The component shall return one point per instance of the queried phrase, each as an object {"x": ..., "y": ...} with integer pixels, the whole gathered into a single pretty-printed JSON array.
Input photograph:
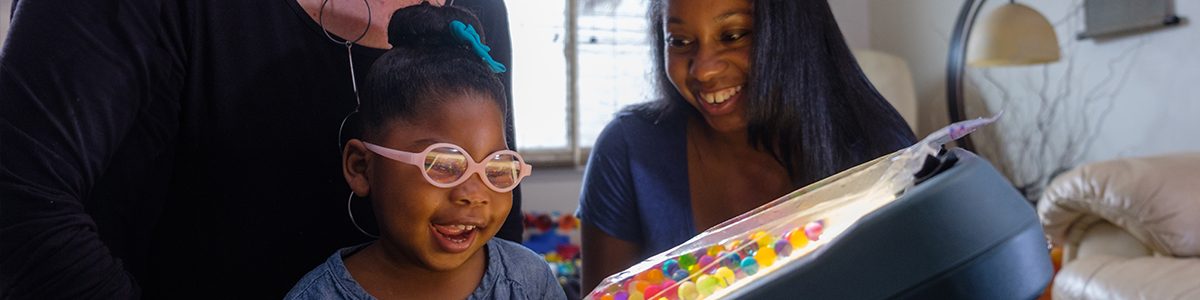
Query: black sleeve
[
  {"x": 75, "y": 76},
  {"x": 494, "y": 16}
]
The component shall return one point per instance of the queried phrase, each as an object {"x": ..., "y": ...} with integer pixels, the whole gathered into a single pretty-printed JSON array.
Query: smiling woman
[{"x": 757, "y": 98}]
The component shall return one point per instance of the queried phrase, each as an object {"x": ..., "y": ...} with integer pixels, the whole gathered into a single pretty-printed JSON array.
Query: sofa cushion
[
  {"x": 1156, "y": 199},
  {"x": 1112, "y": 277}
]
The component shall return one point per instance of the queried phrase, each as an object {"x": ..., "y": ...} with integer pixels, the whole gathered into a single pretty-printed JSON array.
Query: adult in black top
[{"x": 179, "y": 148}]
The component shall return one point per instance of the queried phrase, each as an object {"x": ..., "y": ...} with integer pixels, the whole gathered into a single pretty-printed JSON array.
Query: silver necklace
[
  {"x": 349, "y": 58},
  {"x": 348, "y": 43}
]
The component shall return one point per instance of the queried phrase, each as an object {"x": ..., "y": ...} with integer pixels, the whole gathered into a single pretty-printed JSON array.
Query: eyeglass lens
[{"x": 447, "y": 165}]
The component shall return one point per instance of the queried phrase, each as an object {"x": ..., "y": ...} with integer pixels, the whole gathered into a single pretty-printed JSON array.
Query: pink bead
[
  {"x": 813, "y": 229},
  {"x": 652, "y": 291}
]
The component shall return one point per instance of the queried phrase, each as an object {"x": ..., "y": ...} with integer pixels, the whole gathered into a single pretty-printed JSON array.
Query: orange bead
[
  {"x": 638, "y": 286},
  {"x": 654, "y": 276}
]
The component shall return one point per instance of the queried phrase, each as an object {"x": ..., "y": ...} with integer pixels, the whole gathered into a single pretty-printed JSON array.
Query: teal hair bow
[{"x": 467, "y": 34}]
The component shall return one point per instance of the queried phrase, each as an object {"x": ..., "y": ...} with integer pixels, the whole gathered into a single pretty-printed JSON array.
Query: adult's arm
[
  {"x": 604, "y": 255},
  {"x": 611, "y": 237},
  {"x": 74, "y": 76}
]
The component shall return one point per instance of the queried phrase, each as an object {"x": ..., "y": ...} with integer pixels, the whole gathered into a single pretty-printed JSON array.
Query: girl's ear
[{"x": 354, "y": 167}]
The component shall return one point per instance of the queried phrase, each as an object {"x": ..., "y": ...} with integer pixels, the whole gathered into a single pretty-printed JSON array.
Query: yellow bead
[
  {"x": 726, "y": 275},
  {"x": 714, "y": 250},
  {"x": 765, "y": 257},
  {"x": 636, "y": 296},
  {"x": 687, "y": 291},
  {"x": 762, "y": 238},
  {"x": 797, "y": 239}
]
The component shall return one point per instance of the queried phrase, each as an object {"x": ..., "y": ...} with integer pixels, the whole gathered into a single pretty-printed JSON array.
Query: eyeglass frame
[{"x": 417, "y": 159}]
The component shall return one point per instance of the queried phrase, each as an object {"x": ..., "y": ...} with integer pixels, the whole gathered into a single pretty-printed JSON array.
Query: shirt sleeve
[
  {"x": 529, "y": 275},
  {"x": 552, "y": 290},
  {"x": 607, "y": 199},
  {"x": 73, "y": 77}
]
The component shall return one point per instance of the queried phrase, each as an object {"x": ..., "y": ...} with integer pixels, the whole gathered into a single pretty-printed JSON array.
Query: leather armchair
[{"x": 1128, "y": 228}]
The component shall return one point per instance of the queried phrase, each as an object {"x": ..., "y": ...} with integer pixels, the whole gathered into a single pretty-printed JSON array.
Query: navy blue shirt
[
  {"x": 513, "y": 272},
  {"x": 635, "y": 187}
]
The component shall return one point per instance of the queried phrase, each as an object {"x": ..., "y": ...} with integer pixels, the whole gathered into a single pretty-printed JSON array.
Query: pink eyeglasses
[{"x": 447, "y": 165}]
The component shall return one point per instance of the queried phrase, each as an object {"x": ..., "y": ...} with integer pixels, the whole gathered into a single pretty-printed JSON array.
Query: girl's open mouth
[{"x": 455, "y": 238}]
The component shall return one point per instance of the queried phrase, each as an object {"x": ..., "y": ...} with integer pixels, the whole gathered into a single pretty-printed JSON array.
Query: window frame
[{"x": 574, "y": 154}]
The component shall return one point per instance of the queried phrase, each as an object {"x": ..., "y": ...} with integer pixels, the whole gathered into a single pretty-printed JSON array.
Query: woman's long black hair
[{"x": 809, "y": 102}]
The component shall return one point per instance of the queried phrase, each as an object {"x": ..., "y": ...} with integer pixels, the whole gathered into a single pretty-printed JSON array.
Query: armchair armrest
[
  {"x": 1154, "y": 199},
  {"x": 1111, "y": 277}
]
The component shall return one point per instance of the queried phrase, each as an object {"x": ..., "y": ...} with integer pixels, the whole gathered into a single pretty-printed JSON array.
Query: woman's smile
[{"x": 719, "y": 102}]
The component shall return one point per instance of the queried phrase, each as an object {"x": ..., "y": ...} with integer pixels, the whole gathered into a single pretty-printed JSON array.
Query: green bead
[{"x": 687, "y": 260}]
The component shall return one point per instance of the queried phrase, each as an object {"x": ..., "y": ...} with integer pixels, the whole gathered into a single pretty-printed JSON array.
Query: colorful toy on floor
[{"x": 550, "y": 234}]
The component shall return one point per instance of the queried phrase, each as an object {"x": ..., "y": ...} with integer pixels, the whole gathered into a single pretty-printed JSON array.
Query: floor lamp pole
[{"x": 956, "y": 62}]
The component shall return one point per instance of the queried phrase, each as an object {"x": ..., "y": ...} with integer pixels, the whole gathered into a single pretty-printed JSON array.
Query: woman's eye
[
  {"x": 677, "y": 42},
  {"x": 735, "y": 36}
]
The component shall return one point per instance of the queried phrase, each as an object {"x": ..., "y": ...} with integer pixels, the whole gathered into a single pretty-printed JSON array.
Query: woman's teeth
[{"x": 720, "y": 96}]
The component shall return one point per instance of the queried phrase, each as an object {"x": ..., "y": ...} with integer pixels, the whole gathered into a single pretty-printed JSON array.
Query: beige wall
[
  {"x": 1154, "y": 110},
  {"x": 918, "y": 31},
  {"x": 855, "y": 21}
]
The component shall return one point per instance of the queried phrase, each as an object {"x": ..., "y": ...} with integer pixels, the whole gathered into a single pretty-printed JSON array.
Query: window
[{"x": 575, "y": 66}]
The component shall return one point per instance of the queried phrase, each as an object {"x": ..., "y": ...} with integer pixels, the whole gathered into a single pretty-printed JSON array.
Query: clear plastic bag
[{"x": 736, "y": 252}]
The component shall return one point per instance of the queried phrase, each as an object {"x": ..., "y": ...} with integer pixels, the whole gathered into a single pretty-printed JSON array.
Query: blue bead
[
  {"x": 731, "y": 260},
  {"x": 679, "y": 275},
  {"x": 750, "y": 266},
  {"x": 669, "y": 266}
]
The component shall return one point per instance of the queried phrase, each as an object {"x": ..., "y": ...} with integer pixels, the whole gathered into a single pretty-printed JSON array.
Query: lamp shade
[{"x": 1013, "y": 34}]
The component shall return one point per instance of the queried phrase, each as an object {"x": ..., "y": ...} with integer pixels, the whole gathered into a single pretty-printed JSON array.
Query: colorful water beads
[{"x": 702, "y": 273}]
